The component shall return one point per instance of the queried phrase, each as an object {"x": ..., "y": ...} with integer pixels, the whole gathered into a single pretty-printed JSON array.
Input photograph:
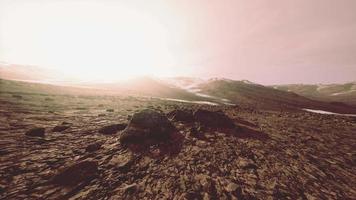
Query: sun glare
[{"x": 117, "y": 42}]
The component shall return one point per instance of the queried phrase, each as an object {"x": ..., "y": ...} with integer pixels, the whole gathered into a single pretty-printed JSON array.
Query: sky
[{"x": 264, "y": 41}]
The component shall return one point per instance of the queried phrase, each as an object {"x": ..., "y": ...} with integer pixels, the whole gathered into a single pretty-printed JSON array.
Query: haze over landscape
[
  {"x": 181, "y": 100},
  {"x": 277, "y": 42}
]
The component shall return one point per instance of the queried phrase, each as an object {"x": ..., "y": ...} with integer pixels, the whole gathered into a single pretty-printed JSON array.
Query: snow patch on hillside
[
  {"x": 187, "y": 101},
  {"x": 192, "y": 85},
  {"x": 321, "y": 86},
  {"x": 188, "y": 84},
  {"x": 248, "y": 82},
  {"x": 341, "y": 93},
  {"x": 328, "y": 113}
]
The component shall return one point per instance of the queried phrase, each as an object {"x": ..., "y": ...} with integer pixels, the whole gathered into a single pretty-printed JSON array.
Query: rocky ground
[{"x": 268, "y": 155}]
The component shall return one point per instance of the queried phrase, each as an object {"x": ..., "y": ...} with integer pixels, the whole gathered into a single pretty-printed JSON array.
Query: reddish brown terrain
[
  {"x": 267, "y": 155},
  {"x": 177, "y": 100}
]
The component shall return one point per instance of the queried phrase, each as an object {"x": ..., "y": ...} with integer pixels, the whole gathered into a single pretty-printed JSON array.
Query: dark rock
[
  {"x": 60, "y": 128},
  {"x": 109, "y": 110},
  {"x": 213, "y": 119},
  {"x": 181, "y": 115},
  {"x": 191, "y": 195},
  {"x": 3, "y": 152},
  {"x": 112, "y": 129},
  {"x": 196, "y": 131},
  {"x": 66, "y": 123},
  {"x": 2, "y": 188},
  {"x": 49, "y": 99},
  {"x": 250, "y": 166},
  {"x": 36, "y": 132},
  {"x": 235, "y": 190},
  {"x": 147, "y": 125},
  {"x": 93, "y": 147},
  {"x": 76, "y": 173},
  {"x": 17, "y": 96}
]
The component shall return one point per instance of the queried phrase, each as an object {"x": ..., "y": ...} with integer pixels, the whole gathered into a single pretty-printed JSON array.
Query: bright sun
[{"x": 88, "y": 41}]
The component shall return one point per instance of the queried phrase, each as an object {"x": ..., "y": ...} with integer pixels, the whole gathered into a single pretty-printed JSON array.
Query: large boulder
[
  {"x": 147, "y": 126},
  {"x": 213, "y": 119},
  {"x": 181, "y": 115}
]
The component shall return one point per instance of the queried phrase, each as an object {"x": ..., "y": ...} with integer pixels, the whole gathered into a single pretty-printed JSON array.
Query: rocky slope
[
  {"x": 283, "y": 154},
  {"x": 262, "y": 97}
]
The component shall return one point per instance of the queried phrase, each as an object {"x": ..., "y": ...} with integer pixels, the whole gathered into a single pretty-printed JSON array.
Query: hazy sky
[{"x": 269, "y": 41}]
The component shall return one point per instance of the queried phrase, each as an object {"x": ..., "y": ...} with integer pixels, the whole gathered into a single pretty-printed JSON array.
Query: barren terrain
[{"x": 270, "y": 155}]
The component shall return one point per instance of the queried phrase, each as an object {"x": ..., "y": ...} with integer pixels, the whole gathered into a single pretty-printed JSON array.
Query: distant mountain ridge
[
  {"x": 345, "y": 93},
  {"x": 251, "y": 94},
  {"x": 32, "y": 73},
  {"x": 214, "y": 90}
]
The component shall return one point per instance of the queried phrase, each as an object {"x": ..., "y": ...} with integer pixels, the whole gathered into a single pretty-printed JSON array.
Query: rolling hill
[
  {"x": 345, "y": 93},
  {"x": 251, "y": 94},
  {"x": 214, "y": 91}
]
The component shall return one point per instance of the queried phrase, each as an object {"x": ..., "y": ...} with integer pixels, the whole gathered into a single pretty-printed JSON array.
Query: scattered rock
[
  {"x": 205, "y": 182},
  {"x": 147, "y": 125},
  {"x": 231, "y": 187},
  {"x": 212, "y": 119},
  {"x": 155, "y": 152},
  {"x": 3, "y": 152},
  {"x": 219, "y": 166},
  {"x": 191, "y": 195},
  {"x": 60, "y": 128},
  {"x": 249, "y": 166},
  {"x": 48, "y": 99},
  {"x": 130, "y": 188},
  {"x": 36, "y": 132},
  {"x": 17, "y": 96},
  {"x": 112, "y": 129},
  {"x": 122, "y": 161},
  {"x": 77, "y": 173},
  {"x": 66, "y": 124},
  {"x": 2, "y": 188},
  {"x": 93, "y": 147},
  {"x": 181, "y": 115},
  {"x": 235, "y": 190},
  {"x": 194, "y": 131},
  {"x": 197, "y": 132}
]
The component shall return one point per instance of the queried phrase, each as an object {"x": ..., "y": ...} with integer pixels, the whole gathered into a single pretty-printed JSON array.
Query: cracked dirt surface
[{"x": 273, "y": 155}]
